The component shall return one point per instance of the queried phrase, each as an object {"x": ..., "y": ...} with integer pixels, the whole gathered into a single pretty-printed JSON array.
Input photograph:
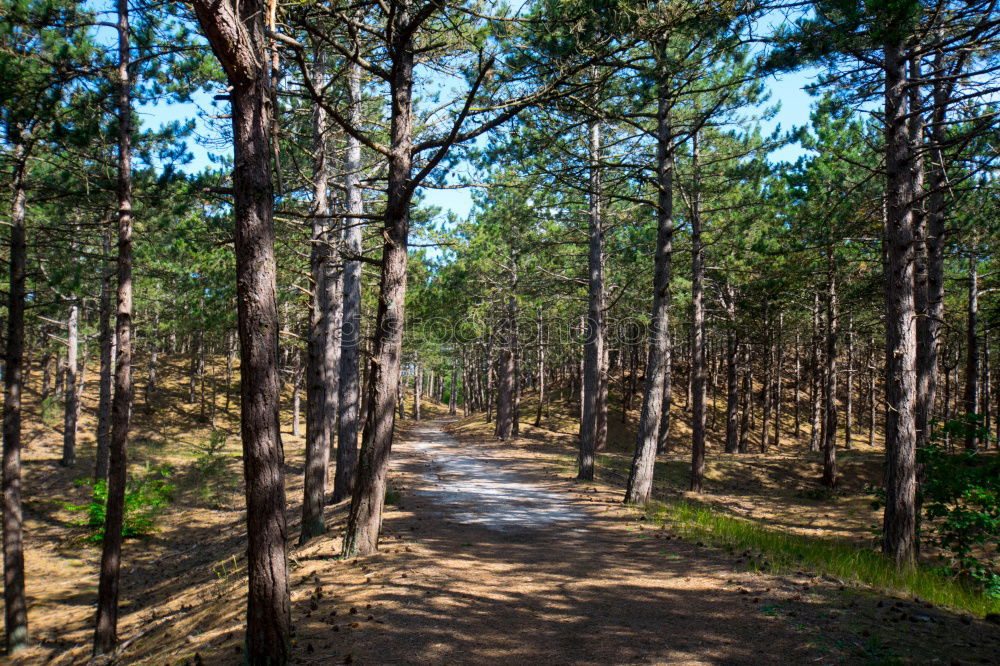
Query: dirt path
[{"x": 496, "y": 557}]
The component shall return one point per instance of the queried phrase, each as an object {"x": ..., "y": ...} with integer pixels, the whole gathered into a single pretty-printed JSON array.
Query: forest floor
[{"x": 490, "y": 554}]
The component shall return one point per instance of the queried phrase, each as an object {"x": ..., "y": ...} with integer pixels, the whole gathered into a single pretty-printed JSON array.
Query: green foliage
[
  {"x": 51, "y": 410},
  {"x": 961, "y": 504},
  {"x": 959, "y": 496},
  {"x": 146, "y": 494},
  {"x": 215, "y": 481},
  {"x": 780, "y": 552}
]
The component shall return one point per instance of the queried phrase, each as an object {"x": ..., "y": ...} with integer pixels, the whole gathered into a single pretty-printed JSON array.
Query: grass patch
[{"x": 780, "y": 552}]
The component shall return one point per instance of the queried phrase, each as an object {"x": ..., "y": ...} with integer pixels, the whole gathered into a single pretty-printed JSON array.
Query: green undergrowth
[{"x": 779, "y": 552}]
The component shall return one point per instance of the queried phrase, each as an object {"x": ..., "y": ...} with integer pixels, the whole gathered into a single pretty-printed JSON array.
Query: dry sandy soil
[
  {"x": 492, "y": 554},
  {"x": 495, "y": 556}
]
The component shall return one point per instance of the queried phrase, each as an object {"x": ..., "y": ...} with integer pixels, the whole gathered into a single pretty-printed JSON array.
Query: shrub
[
  {"x": 959, "y": 500},
  {"x": 146, "y": 494},
  {"x": 960, "y": 495},
  {"x": 52, "y": 410}
]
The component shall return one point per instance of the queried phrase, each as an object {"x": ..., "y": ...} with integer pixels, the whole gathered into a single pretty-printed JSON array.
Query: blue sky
[{"x": 786, "y": 89}]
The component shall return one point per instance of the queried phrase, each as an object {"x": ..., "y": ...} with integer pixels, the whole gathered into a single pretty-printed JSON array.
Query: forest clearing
[{"x": 451, "y": 331}]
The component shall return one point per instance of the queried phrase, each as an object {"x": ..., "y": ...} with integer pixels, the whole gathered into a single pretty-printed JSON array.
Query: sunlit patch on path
[{"x": 475, "y": 489}]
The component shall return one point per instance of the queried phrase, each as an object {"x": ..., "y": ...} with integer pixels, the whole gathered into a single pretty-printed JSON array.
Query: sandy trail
[
  {"x": 496, "y": 557},
  {"x": 476, "y": 488}
]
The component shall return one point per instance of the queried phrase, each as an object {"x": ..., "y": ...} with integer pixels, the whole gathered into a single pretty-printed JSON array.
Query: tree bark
[
  {"x": 899, "y": 520},
  {"x": 236, "y": 35},
  {"x": 350, "y": 394},
  {"x": 640, "y": 481},
  {"x": 365, "y": 518},
  {"x": 971, "y": 401},
  {"x": 322, "y": 373},
  {"x": 541, "y": 372},
  {"x": 105, "y": 335},
  {"x": 418, "y": 387},
  {"x": 15, "y": 603},
  {"x": 505, "y": 395},
  {"x": 830, "y": 391},
  {"x": 593, "y": 342},
  {"x": 747, "y": 400},
  {"x": 849, "y": 388},
  {"x": 929, "y": 327},
  {"x": 697, "y": 331},
  {"x": 817, "y": 374},
  {"x": 779, "y": 369},
  {"x": 106, "y": 631},
  {"x": 797, "y": 392},
  {"x": 70, "y": 403},
  {"x": 732, "y": 392}
]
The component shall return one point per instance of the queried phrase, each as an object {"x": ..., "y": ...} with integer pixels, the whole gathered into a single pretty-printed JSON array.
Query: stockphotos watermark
[{"x": 476, "y": 328}]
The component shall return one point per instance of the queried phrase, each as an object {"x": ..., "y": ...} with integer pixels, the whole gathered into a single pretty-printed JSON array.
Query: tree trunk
[
  {"x": 70, "y": 403},
  {"x": 929, "y": 327},
  {"x": 105, "y": 336},
  {"x": 15, "y": 603},
  {"x": 697, "y": 331},
  {"x": 347, "y": 437},
  {"x": 849, "y": 388},
  {"x": 817, "y": 375},
  {"x": 747, "y": 400},
  {"x": 418, "y": 381},
  {"x": 899, "y": 521},
  {"x": 593, "y": 341},
  {"x": 319, "y": 367},
  {"x": 984, "y": 393},
  {"x": 797, "y": 391},
  {"x": 150, "y": 391},
  {"x": 871, "y": 393},
  {"x": 297, "y": 401},
  {"x": 640, "y": 481},
  {"x": 663, "y": 432},
  {"x": 972, "y": 353},
  {"x": 779, "y": 369},
  {"x": 365, "y": 519},
  {"x": 830, "y": 392},
  {"x": 505, "y": 395},
  {"x": 106, "y": 631},
  {"x": 236, "y": 35},
  {"x": 765, "y": 393},
  {"x": 541, "y": 372},
  {"x": 732, "y": 392}
]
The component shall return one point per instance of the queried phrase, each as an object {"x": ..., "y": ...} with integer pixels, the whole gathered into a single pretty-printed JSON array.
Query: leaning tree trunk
[
  {"x": 236, "y": 35},
  {"x": 70, "y": 410},
  {"x": 697, "y": 332},
  {"x": 15, "y": 603},
  {"x": 106, "y": 631},
  {"x": 593, "y": 342},
  {"x": 830, "y": 391},
  {"x": 899, "y": 520},
  {"x": 640, "y": 481},
  {"x": 365, "y": 518}
]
